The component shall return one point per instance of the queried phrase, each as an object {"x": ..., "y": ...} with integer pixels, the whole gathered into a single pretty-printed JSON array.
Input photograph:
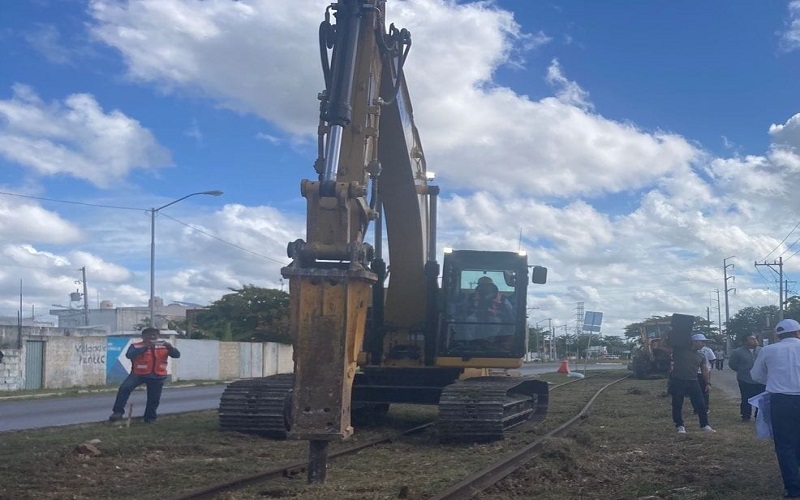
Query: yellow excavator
[{"x": 367, "y": 334}]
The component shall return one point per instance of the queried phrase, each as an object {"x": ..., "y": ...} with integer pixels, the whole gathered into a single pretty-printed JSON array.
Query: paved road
[
  {"x": 539, "y": 368},
  {"x": 17, "y": 414},
  {"x": 722, "y": 381}
]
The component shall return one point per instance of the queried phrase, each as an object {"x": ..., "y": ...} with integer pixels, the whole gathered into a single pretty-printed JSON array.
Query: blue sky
[{"x": 634, "y": 145}]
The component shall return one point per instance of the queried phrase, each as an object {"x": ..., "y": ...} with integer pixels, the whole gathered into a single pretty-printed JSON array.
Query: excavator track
[
  {"x": 258, "y": 406},
  {"x": 480, "y": 409}
]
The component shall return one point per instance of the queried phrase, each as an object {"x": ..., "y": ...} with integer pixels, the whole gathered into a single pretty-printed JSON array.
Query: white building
[{"x": 120, "y": 319}]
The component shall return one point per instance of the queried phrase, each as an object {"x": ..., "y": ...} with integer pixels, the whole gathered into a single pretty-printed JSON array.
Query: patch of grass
[
  {"x": 626, "y": 448},
  {"x": 633, "y": 452}
]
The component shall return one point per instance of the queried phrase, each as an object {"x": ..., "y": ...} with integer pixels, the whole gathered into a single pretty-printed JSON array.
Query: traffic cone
[{"x": 564, "y": 368}]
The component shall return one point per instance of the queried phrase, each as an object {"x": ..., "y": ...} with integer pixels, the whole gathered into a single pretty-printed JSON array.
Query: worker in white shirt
[{"x": 778, "y": 367}]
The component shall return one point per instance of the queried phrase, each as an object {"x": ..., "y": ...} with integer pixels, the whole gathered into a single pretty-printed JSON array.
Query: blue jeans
[
  {"x": 679, "y": 389},
  {"x": 154, "y": 388},
  {"x": 786, "y": 434}
]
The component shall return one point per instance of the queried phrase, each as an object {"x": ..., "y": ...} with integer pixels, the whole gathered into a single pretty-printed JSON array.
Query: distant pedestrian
[
  {"x": 149, "y": 366},
  {"x": 720, "y": 354},
  {"x": 683, "y": 382},
  {"x": 741, "y": 361},
  {"x": 778, "y": 366},
  {"x": 700, "y": 340}
]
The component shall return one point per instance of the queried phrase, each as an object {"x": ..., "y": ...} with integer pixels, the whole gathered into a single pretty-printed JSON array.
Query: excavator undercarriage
[{"x": 477, "y": 409}]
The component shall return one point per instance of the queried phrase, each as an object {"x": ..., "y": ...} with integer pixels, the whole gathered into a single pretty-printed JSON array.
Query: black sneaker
[
  {"x": 115, "y": 417},
  {"x": 745, "y": 419}
]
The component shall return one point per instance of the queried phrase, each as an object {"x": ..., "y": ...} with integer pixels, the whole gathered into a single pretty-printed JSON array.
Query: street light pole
[{"x": 153, "y": 212}]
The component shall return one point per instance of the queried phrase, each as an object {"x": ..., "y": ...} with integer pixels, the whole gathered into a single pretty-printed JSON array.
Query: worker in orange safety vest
[{"x": 149, "y": 360}]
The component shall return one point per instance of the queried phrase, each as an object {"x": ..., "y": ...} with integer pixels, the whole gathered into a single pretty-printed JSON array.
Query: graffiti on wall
[{"x": 91, "y": 354}]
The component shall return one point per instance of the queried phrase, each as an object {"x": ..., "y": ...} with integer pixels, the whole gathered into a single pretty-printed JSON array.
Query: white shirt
[
  {"x": 709, "y": 354},
  {"x": 778, "y": 366}
]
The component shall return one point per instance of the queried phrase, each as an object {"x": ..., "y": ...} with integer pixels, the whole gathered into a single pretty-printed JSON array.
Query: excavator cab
[{"x": 483, "y": 318}]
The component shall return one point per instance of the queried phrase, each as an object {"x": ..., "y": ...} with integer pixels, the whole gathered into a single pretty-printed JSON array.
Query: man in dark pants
[
  {"x": 149, "y": 366},
  {"x": 699, "y": 344},
  {"x": 778, "y": 366},
  {"x": 741, "y": 361},
  {"x": 683, "y": 382}
]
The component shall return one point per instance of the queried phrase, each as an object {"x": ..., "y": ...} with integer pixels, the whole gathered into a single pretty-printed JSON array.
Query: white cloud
[
  {"x": 568, "y": 92},
  {"x": 75, "y": 137},
  {"x": 790, "y": 38},
  {"x": 515, "y": 171},
  {"x": 787, "y": 134},
  {"x": 185, "y": 44},
  {"x": 27, "y": 222}
]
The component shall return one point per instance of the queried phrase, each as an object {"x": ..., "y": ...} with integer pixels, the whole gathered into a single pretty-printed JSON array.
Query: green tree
[
  {"x": 250, "y": 314},
  {"x": 753, "y": 319},
  {"x": 792, "y": 308}
]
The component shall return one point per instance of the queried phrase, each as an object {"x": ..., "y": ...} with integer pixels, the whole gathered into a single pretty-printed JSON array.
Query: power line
[
  {"x": 71, "y": 202},
  {"x": 781, "y": 243},
  {"x": 194, "y": 228},
  {"x": 789, "y": 248},
  {"x": 96, "y": 205}
]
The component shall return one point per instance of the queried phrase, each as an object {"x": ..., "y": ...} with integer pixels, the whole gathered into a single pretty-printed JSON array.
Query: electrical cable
[
  {"x": 71, "y": 202},
  {"x": 784, "y": 239},
  {"x": 194, "y": 228}
]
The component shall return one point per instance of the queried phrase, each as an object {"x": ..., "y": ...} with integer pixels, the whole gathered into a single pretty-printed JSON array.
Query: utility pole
[
  {"x": 719, "y": 313},
  {"x": 19, "y": 318},
  {"x": 725, "y": 267},
  {"x": 85, "y": 298},
  {"x": 779, "y": 265}
]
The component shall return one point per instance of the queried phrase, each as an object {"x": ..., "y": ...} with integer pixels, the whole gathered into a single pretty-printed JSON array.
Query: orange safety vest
[
  {"x": 495, "y": 307},
  {"x": 152, "y": 361}
]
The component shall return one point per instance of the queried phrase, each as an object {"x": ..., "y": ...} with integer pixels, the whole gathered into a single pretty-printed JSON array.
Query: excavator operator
[{"x": 488, "y": 305}]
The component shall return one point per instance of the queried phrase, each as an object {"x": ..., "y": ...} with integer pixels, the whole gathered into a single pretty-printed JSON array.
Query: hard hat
[
  {"x": 786, "y": 326},
  {"x": 699, "y": 336}
]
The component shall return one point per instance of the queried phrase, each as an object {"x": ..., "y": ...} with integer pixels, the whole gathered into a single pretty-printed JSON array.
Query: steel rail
[
  {"x": 293, "y": 469},
  {"x": 502, "y": 468}
]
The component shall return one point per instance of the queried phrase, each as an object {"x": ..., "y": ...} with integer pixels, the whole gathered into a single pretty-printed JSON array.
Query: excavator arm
[{"x": 370, "y": 157}]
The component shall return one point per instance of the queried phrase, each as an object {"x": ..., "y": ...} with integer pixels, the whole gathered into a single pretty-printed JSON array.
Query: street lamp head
[{"x": 153, "y": 211}]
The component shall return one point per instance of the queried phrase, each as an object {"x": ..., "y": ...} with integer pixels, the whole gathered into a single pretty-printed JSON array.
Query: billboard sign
[{"x": 592, "y": 321}]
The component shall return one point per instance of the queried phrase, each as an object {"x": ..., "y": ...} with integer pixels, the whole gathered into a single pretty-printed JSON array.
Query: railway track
[{"x": 526, "y": 442}]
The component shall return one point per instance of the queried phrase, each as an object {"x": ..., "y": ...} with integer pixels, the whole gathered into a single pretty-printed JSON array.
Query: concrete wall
[
  {"x": 251, "y": 360},
  {"x": 200, "y": 360},
  {"x": 81, "y": 361},
  {"x": 278, "y": 359},
  {"x": 228, "y": 360},
  {"x": 74, "y": 361},
  {"x": 11, "y": 370}
]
